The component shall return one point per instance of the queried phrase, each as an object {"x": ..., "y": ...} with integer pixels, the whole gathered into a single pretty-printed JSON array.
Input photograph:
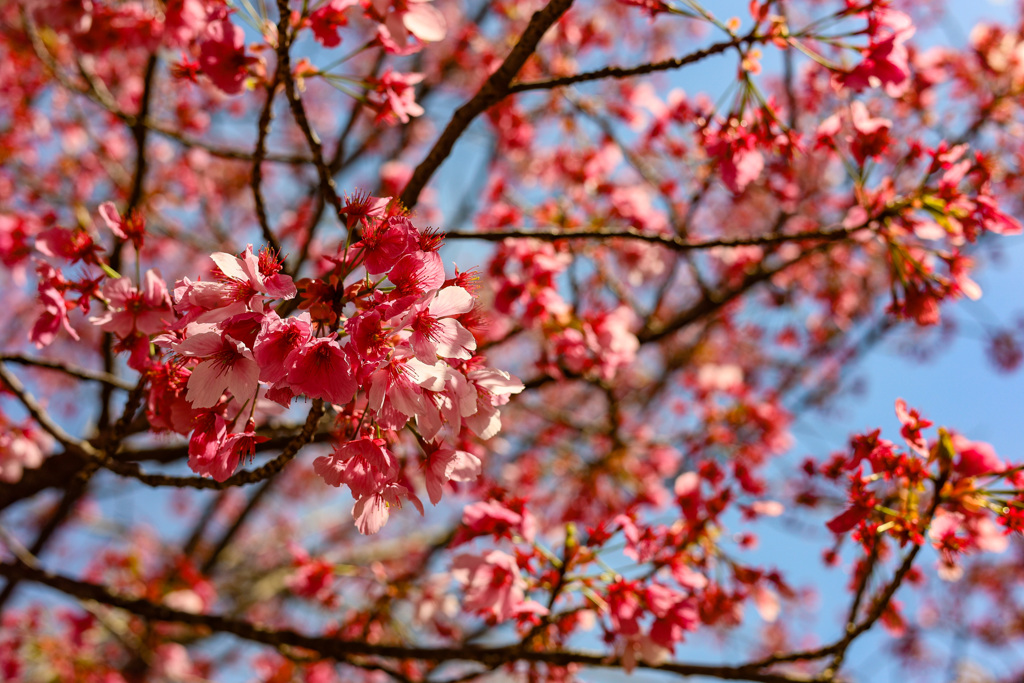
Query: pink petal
[
  {"x": 371, "y": 514},
  {"x": 230, "y": 265},
  {"x": 243, "y": 379},
  {"x": 425, "y": 22},
  {"x": 110, "y": 216},
  {"x": 205, "y": 385},
  {"x": 200, "y": 345},
  {"x": 454, "y": 340},
  {"x": 330, "y": 468},
  {"x": 451, "y": 301}
]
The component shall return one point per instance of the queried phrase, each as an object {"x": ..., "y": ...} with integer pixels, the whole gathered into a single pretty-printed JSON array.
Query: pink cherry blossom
[
  {"x": 243, "y": 280},
  {"x": 434, "y": 331},
  {"x": 69, "y": 245},
  {"x": 128, "y": 309},
  {"x": 322, "y": 369},
  {"x": 217, "y": 455},
  {"x": 398, "y": 386},
  {"x": 494, "y": 388},
  {"x": 371, "y": 512},
  {"x": 167, "y": 409},
  {"x": 21, "y": 449},
  {"x": 53, "y": 317},
  {"x": 494, "y": 585},
  {"x": 277, "y": 339},
  {"x": 885, "y": 60},
  {"x": 385, "y": 242},
  {"x": 975, "y": 458},
  {"x": 405, "y": 18},
  {"x": 206, "y": 442},
  {"x": 494, "y": 518},
  {"x": 447, "y": 464},
  {"x": 871, "y": 134},
  {"x": 222, "y": 56},
  {"x": 226, "y": 365},
  {"x": 364, "y": 465},
  {"x": 417, "y": 273},
  {"x": 132, "y": 228},
  {"x": 326, "y": 20},
  {"x": 395, "y": 97}
]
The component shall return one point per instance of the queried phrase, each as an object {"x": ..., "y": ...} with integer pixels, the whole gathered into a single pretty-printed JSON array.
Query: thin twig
[
  {"x": 42, "y": 419},
  {"x": 670, "y": 241},
  {"x": 258, "y": 155},
  {"x": 69, "y": 370},
  {"x": 327, "y": 186},
  {"x": 639, "y": 70}
]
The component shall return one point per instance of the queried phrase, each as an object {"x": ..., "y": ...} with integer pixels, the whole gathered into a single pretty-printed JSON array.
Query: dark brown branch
[
  {"x": 135, "y": 196},
  {"x": 715, "y": 302},
  {"x": 258, "y": 155},
  {"x": 196, "y": 536},
  {"x": 74, "y": 493},
  {"x": 327, "y": 186},
  {"x": 639, "y": 70},
  {"x": 42, "y": 419},
  {"x": 71, "y": 371},
  {"x": 493, "y": 90},
  {"x": 342, "y": 650},
  {"x": 130, "y": 469},
  {"x": 61, "y": 467},
  {"x": 670, "y": 241},
  {"x": 838, "y": 648}
]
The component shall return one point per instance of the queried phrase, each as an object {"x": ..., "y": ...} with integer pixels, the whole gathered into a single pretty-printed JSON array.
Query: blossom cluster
[
  {"x": 888, "y": 499},
  {"x": 382, "y": 336}
]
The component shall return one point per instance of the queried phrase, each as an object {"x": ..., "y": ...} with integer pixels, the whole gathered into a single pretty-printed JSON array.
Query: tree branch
[
  {"x": 69, "y": 370},
  {"x": 639, "y": 70},
  {"x": 42, "y": 419},
  {"x": 130, "y": 469},
  {"x": 342, "y": 649},
  {"x": 494, "y": 89},
  {"x": 670, "y": 241},
  {"x": 260, "y": 153}
]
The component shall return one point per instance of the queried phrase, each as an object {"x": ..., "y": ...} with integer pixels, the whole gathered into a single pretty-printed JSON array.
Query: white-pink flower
[
  {"x": 227, "y": 365},
  {"x": 434, "y": 330},
  {"x": 494, "y": 388},
  {"x": 448, "y": 464},
  {"x": 242, "y": 279},
  {"x": 493, "y": 584},
  {"x": 129, "y": 309},
  {"x": 371, "y": 512},
  {"x": 322, "y": 369},
  {"x": 397, "y": 391},
  {"x": 403, "y": 18}
]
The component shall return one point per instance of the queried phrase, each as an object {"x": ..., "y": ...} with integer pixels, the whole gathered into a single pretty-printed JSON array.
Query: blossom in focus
[{"x": 226, "y": 365}]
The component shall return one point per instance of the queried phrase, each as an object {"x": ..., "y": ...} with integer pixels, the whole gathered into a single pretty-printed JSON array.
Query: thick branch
[
  {"x": 130, "y": 469},
  {"x": 496, "y": 87},
  {"x": 60, "y": 468},
  {"x": 341, "y": 649}
]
